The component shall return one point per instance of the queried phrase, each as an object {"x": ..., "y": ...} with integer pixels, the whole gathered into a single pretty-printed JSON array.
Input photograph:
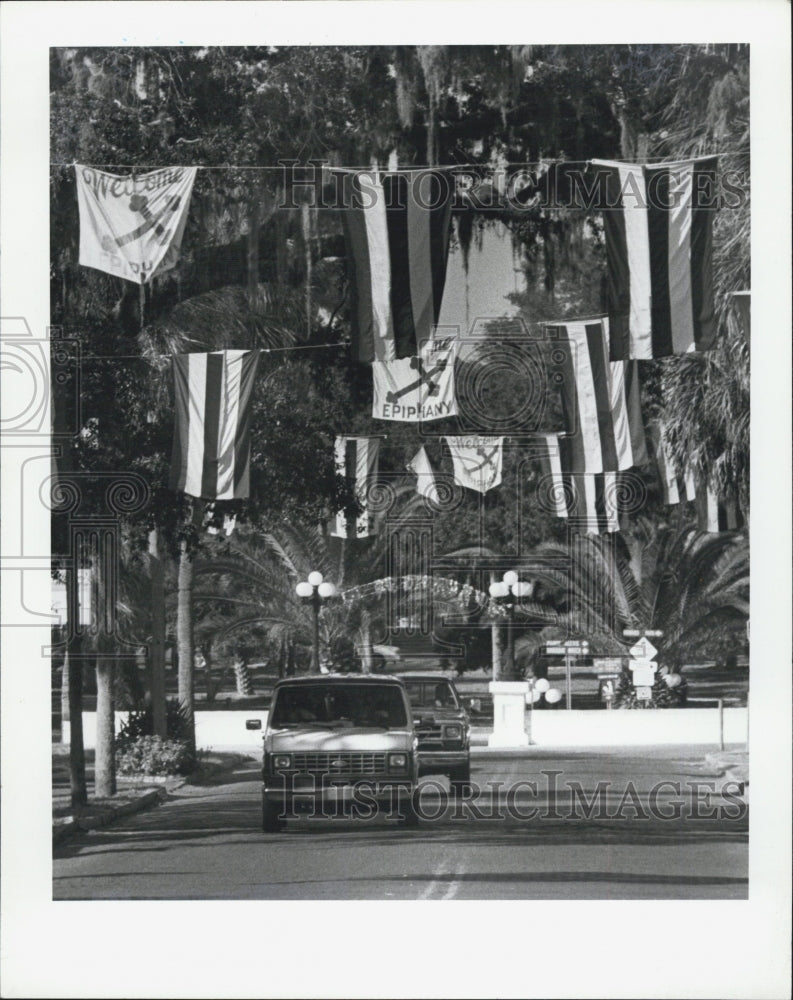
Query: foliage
[
  {"x": 662, "y": 694},
  {"x": 152, "y": 755},
  {"x": 141, "y": 724}
]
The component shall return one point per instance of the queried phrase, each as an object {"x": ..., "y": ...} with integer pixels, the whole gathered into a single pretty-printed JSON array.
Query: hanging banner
[
  {"x": 716, "y": 513},
  {"x": 132, "y": 227},
  {"x": 477, "y": 461},
  {"x": 658, "y": 222},
  {"x": 425, "y": 477},
  {"x": 416, "y": 389},
  {"x": 212, "y": 435},
  {"x": 600, "y": 399},
  {"x": 676, "y": 486},
  {"x": 397, "y": 227},
  {"x": 357, "y": 460}
]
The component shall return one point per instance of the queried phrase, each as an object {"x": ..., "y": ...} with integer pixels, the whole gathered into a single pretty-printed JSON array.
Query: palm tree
[{"x": 693, "y": 587}]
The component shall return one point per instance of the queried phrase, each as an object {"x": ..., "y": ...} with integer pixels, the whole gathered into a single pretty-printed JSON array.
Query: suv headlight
[
  {"x": 398, "y": 761},
  {"x": 282, "y": 761},
  {"x": 453, "y": 732}
]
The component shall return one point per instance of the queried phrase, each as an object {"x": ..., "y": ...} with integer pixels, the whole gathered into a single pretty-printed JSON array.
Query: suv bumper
[{"x": 440, "y": 760}]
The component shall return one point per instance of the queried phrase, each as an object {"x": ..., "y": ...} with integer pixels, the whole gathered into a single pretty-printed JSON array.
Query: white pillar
[{"x": 509, "y": 708}]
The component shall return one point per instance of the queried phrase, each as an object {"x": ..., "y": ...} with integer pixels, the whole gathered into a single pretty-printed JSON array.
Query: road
[{"x": 206, "y": 842}]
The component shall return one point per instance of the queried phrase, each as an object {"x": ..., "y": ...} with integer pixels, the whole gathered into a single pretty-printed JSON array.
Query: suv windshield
[
  {"x": 431, "y": 694},
  {"x": 379, "y": 706}
]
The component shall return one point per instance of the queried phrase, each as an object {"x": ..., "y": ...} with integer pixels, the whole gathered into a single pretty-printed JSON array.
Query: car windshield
[
  {"x": 432, "y": 694},
  {"x": 333, "y": 706}
]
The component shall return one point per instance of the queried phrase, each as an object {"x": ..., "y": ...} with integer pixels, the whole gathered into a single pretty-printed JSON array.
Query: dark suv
[
  {"x": 336, "y": 739},
  {"x": 442, "y": 726}
]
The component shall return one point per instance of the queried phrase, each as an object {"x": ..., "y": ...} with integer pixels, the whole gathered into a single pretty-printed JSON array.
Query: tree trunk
[
  {"x": 242, "y": 676},
  {"x": 77, "y": 780},
  {"x": 185, "y": 640},
  {"x": 495, "y": 642},
  {"x": 105, "y": 765},
  {"x": 157, "y": 647},
  {"x": 366, "y": 645},
  {"x": 64, "y": 693},
  {"x": 209, "y": 683},
  {"x": 305, "y": 218},
  {"x": 254, "y": 210}
]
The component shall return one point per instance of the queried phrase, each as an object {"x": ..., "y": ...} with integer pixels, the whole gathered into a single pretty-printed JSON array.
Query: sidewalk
[{"x": 133, "y": 795}]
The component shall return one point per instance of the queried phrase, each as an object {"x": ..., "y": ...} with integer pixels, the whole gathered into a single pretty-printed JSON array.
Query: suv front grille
[
  {"x": 431, "y": 738},
  {"x": 343, "y": 762}
]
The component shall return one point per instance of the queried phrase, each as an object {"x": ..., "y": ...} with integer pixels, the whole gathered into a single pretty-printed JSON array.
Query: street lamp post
[
  {"x": 315, "y": 591},
  {"x": 508, "y": 592}
]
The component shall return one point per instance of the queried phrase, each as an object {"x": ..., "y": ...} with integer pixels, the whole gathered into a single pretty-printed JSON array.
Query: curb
[
  {"x": 64, "y": 828},
  {"x": 81, "y": 824}
]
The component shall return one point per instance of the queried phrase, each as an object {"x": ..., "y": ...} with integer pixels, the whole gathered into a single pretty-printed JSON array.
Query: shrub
[
  {"x": 152, "y": 755},
  {"x": 142, "y": 724},
  {"x": 662, "y": 694}
]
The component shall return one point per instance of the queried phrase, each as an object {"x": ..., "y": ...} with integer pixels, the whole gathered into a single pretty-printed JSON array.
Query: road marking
[{"x": 436, "y": 886}]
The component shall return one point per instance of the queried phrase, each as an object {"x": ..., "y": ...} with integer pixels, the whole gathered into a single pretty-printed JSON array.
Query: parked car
[
  {"x": 442, "y": 726},
  {"x": 333, "y": 739}
]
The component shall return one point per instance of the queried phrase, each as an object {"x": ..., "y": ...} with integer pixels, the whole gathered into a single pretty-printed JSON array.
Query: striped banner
[
  {"x": 601, "y": 401},
  {"x": 397, "y": 228},
  {"x": 676, "y": 486},
  {"x": 357, "y": 460},
  {"x": 715, "y": 513},
  {"x": 593, "y": 504},
  {"x": 211, "y": 445},
  {"x": 658, "y": 221}
]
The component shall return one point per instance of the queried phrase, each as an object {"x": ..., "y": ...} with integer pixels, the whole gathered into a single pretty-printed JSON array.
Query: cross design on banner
[
  {"x": 140, "y": 203},
  {"x": 425, "y": 378}
]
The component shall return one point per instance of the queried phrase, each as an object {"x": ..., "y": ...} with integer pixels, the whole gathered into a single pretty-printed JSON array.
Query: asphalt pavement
[{"x": 627, "y": 823}]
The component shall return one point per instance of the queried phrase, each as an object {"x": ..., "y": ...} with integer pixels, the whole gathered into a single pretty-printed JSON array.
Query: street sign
[
  {"x": 643, "y": 650},
  {"x": 644, "y": 694},
  {"x": 643, "y": 673}
]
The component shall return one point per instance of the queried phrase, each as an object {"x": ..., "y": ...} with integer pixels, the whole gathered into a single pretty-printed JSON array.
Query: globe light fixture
[
  {"x": 509, "y": 591},
  {"x": 315, "y": 591}
]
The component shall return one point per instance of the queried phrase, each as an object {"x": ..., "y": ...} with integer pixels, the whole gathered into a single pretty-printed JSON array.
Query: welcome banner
[
  {"x": 477, "y": 461},
  {"x": 132, "y": 227}
]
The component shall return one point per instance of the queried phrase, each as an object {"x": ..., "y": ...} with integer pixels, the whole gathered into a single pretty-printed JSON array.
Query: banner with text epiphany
[
  {"x": 132, "y": 227},
  {"x": 658, "y": 222},
  {"x": 397, "y": 228},
  {"x": 356, "y": 460},
  {"x": 477, "y": 461},
  {"x": 418, "y": 388},
  {"x": 600, "y": 399},
  {"x": 211, "y": 445}
]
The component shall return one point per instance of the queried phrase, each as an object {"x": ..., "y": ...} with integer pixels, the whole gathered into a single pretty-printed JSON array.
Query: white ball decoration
[
  {"x": 326, "y": 590},
  {"x": 304, "y": 589},
  {"x": 673, "y": 680},
  {"x": 510, "y": 577},
  {"x": 553, "y": 695},
  {"x": 542, "y": 685},
  {"x": 315, "y": 578}
]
